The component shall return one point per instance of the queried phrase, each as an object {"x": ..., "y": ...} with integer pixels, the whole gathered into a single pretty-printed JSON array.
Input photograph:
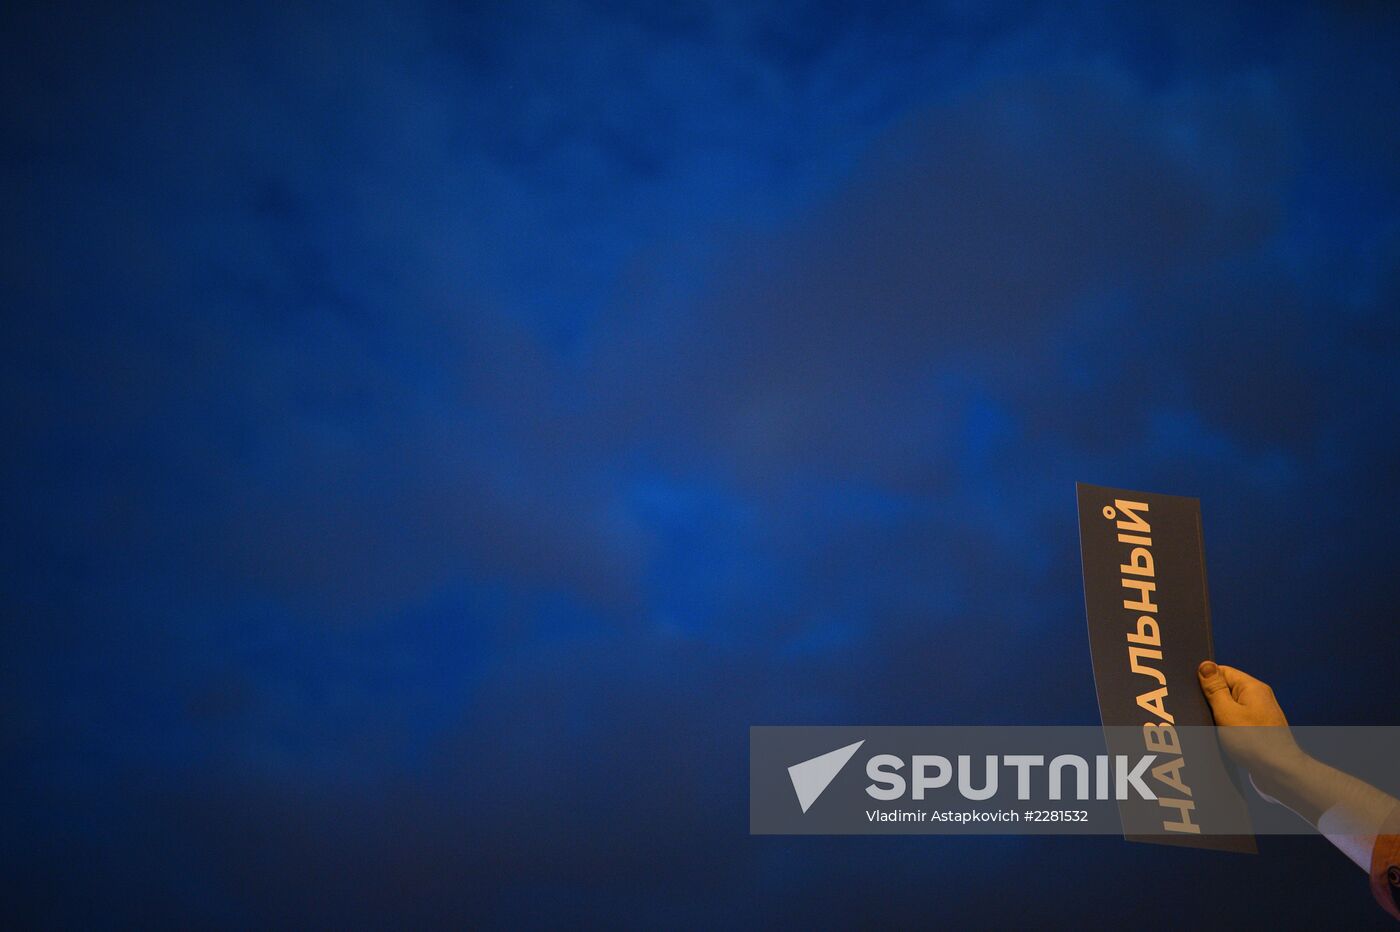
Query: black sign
[{"x": 1149, "y": 628}]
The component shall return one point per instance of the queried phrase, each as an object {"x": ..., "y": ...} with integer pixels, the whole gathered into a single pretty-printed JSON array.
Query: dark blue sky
[{"x": 435, "y": 434}]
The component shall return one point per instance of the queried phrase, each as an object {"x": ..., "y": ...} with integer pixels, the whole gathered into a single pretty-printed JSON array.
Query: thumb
[{"x": 1214, "y": 686}]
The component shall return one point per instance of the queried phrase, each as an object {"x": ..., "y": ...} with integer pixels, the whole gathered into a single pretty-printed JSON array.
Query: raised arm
[{"x": 1356, "y": 817}]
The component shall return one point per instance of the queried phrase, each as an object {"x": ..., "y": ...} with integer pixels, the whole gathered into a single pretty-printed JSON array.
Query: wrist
[{"x": 1283, "y": 775}]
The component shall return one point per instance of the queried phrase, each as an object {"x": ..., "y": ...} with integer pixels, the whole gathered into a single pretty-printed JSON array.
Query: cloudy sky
[{"x": 437, "y": 432}]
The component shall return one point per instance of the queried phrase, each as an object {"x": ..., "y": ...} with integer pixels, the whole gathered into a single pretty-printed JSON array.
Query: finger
[
  {"x": 1238, "y": 681},
  {"x": 1215, "y": 686}
]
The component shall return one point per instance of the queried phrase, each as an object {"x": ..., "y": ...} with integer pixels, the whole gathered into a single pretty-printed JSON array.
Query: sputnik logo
[{"x": 811, "y": 777}]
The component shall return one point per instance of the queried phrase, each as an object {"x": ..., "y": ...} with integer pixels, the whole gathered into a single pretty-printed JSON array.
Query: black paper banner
[{"x": 1149, "y": 628}]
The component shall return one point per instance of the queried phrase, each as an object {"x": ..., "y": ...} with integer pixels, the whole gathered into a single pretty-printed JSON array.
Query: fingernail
[{"x": 1207, "y": 669}]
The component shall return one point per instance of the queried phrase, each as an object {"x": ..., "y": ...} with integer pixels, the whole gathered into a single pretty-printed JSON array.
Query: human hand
[{"x": 1267, "y": 750}]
